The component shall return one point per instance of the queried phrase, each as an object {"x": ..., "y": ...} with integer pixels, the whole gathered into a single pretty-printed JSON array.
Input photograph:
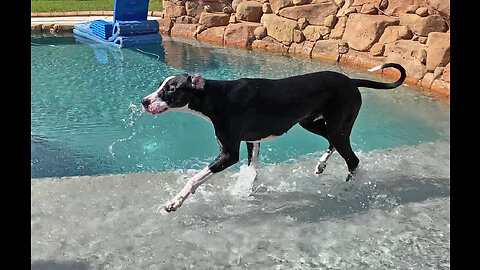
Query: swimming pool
[
  {"x": 86, "y": 117},
  {"x": 85, "y": 120}
]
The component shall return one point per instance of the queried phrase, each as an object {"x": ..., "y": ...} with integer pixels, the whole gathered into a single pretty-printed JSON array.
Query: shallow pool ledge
[{"x": 143, "y": 176}]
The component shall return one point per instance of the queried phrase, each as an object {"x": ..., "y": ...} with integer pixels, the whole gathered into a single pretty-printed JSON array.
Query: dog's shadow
[{"x": 345, "y": 199}]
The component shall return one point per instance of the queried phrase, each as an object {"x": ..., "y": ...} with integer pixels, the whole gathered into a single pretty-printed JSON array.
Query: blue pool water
[
  {"x": 86, "y": 117},
  {"x": 102, "y": 169}
]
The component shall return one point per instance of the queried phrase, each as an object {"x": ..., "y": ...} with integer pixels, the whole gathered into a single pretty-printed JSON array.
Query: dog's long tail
[{"x": 380, "y": 85}]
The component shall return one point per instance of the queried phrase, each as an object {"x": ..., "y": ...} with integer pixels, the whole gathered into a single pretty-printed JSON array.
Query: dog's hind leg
[
  {"x": 342, "y": 145},
  {"x": 339, "y": 128},
  {"x": 319, "y": 127},
  {"x": 253, "y": 149},
  {"x": 322, "y": 162}
]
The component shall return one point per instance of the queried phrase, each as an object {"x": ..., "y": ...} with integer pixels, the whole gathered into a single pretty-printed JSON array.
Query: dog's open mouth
[
  {"x": 161, "y": 111},
  {"x": 156, "y": 107},
  {"x": 156, "y": 111}
]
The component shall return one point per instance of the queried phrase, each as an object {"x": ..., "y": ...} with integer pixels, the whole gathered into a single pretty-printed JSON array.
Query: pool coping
[{"x": 58, "y": 23}]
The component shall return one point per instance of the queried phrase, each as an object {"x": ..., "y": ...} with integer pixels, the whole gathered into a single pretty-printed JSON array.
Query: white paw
[
  {"x": 175, "y": 203},
  {"x": 350, "y": 176},
  {"x": 320, "y": 167}
]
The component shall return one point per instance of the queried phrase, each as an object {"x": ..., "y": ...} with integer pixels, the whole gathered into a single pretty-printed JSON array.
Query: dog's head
[{"x": 174, "y": 92}]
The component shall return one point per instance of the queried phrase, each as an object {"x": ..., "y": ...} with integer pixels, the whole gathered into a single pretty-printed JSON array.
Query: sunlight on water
[
  {"x": 87, "y": 120},
  {"x": 86, "y": 115}
]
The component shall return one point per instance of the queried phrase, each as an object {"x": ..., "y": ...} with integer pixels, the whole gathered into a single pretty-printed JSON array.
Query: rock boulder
[
  {"x": 213, "y": 34},
  {"x": 406, "y": 53},
  {"x": 172, "y": 10},
  {"x": 421, "y": 26},
  {"x": 214, "y": 19},
  {"x": 249, "y": 11},
  {"x": 394, "y": 33},
  {"x": 240, "y": 34},
  {"x": 438, "y": 50},
  {"x": 314, "y": 13},
  {"x": 314, "y": 33},
  {"x": 363, "y": 30},
  {"x": 279, "y": 28},
  {"x": 276, "y": 5},
  {"x": 329, "y": 49}
]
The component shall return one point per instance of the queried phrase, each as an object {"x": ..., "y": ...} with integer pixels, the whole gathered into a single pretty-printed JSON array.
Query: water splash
[
  {"x": 245, "y": 179},
  {"x": 135, "y": 112},
  {"x": 396, "y": 215}
]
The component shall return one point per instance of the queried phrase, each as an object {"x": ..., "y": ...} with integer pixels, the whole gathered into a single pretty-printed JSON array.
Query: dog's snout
[{"x": 145, "y": 102}]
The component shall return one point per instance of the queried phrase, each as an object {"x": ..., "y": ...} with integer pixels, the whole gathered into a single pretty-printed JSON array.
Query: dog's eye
[{"x": 171, "y": 88}]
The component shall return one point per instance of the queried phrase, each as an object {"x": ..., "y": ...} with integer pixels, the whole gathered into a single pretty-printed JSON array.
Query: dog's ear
[{"x": 198, "y": 82}]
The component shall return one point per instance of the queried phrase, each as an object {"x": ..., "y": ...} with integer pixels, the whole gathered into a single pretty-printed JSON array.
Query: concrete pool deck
[{"x": 66, "y": 23}]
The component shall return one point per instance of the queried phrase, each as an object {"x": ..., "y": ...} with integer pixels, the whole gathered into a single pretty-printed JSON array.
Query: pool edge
[{"x": 54, "y": 24}]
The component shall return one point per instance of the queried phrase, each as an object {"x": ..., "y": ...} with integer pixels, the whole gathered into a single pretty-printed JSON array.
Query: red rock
[
  {"x": 240, "y": 34},
  {"x": 260, "y": 32},
  {"x": 186, "y": 19},
  {"x": 269, "y": 44},
  {"x": 213, "y": 34},
  {"x": 172, "y": 10},
  {"x": 422, "y": 11},
  {"x": 165, "y": 25},
  {"x": 446, "y": 73},
  {"x": 249, "y": 11},
  {"x": 339, "y": 29},
  {"x": 394, "y": 33},
  {"x": 214, "y": 19},
  {"x": 368, "y": 9},
  {"x": 423, "y": 25},
  {"x": 193, "y": 8},
  {"x": 363, "y": 30},
  {"x": 377, "y": 49},
  {"x": 438, "y": 50},
  {"x": 279, "y": 28},
  {"x": 397, "y": 7},
  {"x": 314, "y": 13},
  {"x": 361, "y": 59},
  {"x": 184, "y": 30},
  {"x": 329, "y": 49},
  {"x": 405, "y": 53},
  {"x": 442, "y": 6},
  {"x": 314, "y": 33},
  {"x": 304, "y": 48},
  {"x": 276, "y": 5},
  {"x": 36, "y": 28}
]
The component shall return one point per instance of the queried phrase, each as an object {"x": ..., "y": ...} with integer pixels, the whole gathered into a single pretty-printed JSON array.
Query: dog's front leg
[
  {"x": 223, "y": 161},
  {"x": 188, "y": 189}
]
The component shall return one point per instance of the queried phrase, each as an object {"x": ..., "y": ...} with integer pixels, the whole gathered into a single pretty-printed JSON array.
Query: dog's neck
[
  {"x": 198, "y": 105},
  {"x": 203, "y": 102}
]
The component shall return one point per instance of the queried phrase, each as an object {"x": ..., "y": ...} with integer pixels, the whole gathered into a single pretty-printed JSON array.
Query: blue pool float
[{"x": 130, "y": 27}]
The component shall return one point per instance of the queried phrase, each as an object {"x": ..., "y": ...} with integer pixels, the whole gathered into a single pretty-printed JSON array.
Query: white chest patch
[
  {"x": 318, "y": 117},
  {"x": 266, "y": 139},
  {"x": 188, "y": 110}
]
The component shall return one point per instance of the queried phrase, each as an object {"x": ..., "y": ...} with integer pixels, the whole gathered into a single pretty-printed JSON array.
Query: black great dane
[{"x": 255, "y": 110}]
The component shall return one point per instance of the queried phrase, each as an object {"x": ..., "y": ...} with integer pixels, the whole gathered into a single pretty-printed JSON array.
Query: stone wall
[{"x": 413, "y": 33}]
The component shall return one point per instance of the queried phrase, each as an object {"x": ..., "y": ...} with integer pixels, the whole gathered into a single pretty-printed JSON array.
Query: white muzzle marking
[{"x": 156, "y": 104}]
